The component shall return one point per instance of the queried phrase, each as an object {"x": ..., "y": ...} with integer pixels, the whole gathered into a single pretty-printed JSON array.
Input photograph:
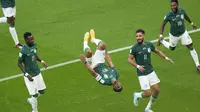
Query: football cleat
[
  {"x": 92, "y": 34},
  {"x": 198, "y": 68},
  {"x": 86, "y": 37},
  {"x": 135, "y": 99},
  {"x": 148, "y": 110}
]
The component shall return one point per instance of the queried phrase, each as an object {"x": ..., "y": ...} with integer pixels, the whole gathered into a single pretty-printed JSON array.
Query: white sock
[
  {"x": 34, "y": 103},
  {"x": 96, "y": 41},
  {"x": 85, "y": 46},
  {"x": 151, "y": 101},
  {"x": 139, "y": 94},
  {"x": 195, "y": 57},
  {"x": 14, "y": 35},
  {"x": 3, "y": 20},
  {"x": 165, "y": 43}
]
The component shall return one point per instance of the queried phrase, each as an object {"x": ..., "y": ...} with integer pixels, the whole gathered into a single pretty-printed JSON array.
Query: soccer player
[
  {"x": 27, "y": 62},
  {"x": 9, "y": 10},
  {"x": 148, "y": 79},
  {"x": 96, "y": 63},
  {"x": 178, "y": 31}
]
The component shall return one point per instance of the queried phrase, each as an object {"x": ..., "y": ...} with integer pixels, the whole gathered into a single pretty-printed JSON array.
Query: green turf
[{"x": 59, "y": 27}]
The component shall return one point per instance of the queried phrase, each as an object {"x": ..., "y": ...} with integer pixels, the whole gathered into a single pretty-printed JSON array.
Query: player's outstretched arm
[
  {"x": 42, "y": 61},
  {"x": 96, "y": 75},
  {"x": 83, "y": 59},
  {"x": 187, "y": 18},
  {"x": 133, "y": 63},
  {"x": 161, "y": 54},
  {"x": 109, "y": 60}
]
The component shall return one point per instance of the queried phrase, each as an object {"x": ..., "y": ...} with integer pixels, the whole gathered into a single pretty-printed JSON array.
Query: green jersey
[
  {"x": 7, "y": 3},
  {"x": 28, "y": 56},
  {"x": 107, "y": 74},
  {"x": 142, "y": 54},
  {"x": 177, "y": 26}
]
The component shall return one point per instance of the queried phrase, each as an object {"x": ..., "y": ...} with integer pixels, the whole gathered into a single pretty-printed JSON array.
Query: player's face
[
  {"x": 30, "y": 41},
  {"x": 140, "y": 37},
  {"x": 117, "y": 85},
  {"x": 174, "y": 7}
]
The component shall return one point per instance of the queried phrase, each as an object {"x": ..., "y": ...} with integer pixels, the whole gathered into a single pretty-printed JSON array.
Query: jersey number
[
  {"x": 179, "y": 23},
  {"x": 145, "y": 56}
]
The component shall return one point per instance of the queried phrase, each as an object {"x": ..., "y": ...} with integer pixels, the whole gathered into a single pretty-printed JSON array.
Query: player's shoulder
[
  {"x": 181, "y": 10},
  {"x": 148, "y": 42},
  {"x": 135, "y": 46},
  {"x": 169, "y": 14},
  {"x": 24, "y": 49}
]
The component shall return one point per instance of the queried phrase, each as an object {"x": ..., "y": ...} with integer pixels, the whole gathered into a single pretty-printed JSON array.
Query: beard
[
  {"x": 140, "y": 41},
  {"x": 175, "y": 10}
]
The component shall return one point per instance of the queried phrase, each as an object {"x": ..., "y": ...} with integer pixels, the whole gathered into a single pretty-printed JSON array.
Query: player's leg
[
  {"x": 86, "y": 49},
  {"x": 146, "y": 91},
  {"x": 10, "y": 14},
  {"x": 41, "y": 84},
  {"x": 187, "y": 41},
  {"x": 98, "y": 42},
  {"x": 32, "y": 88},
  {"x": 3, "y": 20},
  {"x": 171, "y": 45},
  {"x": 154, "y": 83}
]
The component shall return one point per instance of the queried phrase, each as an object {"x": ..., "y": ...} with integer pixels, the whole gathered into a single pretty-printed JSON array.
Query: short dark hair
[
  {"x": 174, "y": 1},
  {"x": 140, "y": 31},
  {"x": 27, "y": 34},
  {"x": 118, "y": 90}
]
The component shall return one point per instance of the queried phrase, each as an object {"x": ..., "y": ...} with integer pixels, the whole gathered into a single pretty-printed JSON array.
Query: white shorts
[
  {"x": 185, "y": 39},
  {"x": 9, "y": 12},
  {"x": 98, "y": 57},
  {"x": 149, "y": 80},
  {"x": 36, "y": 85}
]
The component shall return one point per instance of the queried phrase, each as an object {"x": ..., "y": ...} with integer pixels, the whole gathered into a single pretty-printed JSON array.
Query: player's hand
[
  {"x": 160, "y": 39},
  {"x": 99, "y": 79},
  {"x": 141, "y": 68},
  {"x": 44, "y": 64},
  {"x": 170, "y": 60},
  {"x": 194, "y": 26},
  {"x": 82, "y": 58},
  {"x": 29, "y": 77}
]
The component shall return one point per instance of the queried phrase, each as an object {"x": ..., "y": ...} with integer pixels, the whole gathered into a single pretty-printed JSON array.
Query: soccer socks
[
  {"x": 139, "y": 94},
  {"x": 195, "y": 57},
  {"x": 34, "y": 103},
  {"x": 96, "y": 41},
  {"x": 152, "y": 100},
  {"x": 3, "y": 20},
  {"x": 165, "y": 43},
  {"x": 14, "y": 35}
]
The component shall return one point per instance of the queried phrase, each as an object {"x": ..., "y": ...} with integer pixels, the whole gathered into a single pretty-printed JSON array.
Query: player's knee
[
  {"x": 147, "y": 93},
  {"x": 102, "y": 46},
  {"x": 89, "y": 53},
  {"x": 172, "y": 48},
  {"x": 42, "y": 91},
  {"x": 190, "y": 47},
  {"x": 11, "y": 21},
  {"x": 156, "y": 91}
]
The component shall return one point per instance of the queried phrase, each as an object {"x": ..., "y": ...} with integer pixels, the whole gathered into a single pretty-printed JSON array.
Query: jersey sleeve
[
  {"x": 184, "y": 12},
  {"x": 152, "y": 46},
  {"x": 21, "y": 56},
  {"x": 132, "y": 51},
  {"x": 166, "y": 18}
]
